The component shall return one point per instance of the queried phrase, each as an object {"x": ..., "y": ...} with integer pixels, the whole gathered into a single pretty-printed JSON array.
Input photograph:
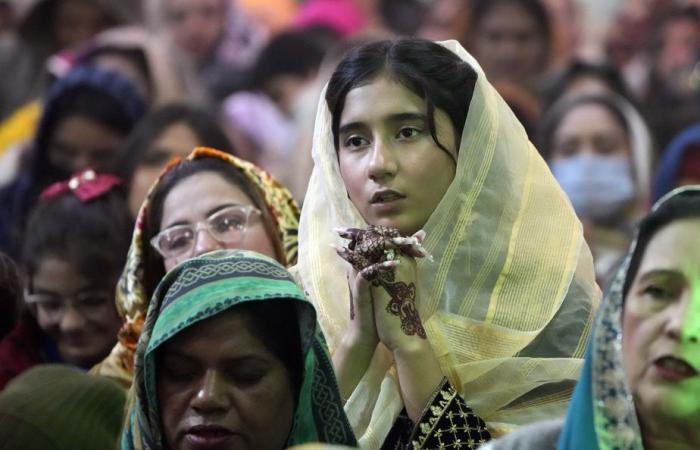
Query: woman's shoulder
[{"x": 539, "y": 435}]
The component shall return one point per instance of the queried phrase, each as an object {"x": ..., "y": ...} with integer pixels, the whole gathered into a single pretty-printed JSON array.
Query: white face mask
[{"x": 599, "y": 187}]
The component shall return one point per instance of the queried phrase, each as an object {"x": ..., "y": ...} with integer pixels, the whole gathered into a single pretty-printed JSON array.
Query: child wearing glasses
[{"x": 74, "y": 250}]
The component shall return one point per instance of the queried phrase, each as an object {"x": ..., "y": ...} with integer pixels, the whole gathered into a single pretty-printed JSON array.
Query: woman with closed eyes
[{"x": 231, "y": 358}]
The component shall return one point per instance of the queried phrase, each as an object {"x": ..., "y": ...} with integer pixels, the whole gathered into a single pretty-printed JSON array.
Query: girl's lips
[
  {"x": 671, "y": 368},
  {"x": 386, "y": 196}
]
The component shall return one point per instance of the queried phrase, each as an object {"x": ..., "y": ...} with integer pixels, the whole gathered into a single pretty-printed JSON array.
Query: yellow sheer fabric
[{"x": 507, "y": 302}]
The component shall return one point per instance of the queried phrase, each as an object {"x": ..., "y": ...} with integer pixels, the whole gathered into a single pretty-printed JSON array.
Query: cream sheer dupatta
[{"x": 507, "y": 302}]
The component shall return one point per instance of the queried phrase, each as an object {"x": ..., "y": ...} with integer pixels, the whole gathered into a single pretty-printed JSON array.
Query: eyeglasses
[
  {"x": 89, "y": 304},
  {"x": 227, "y": 226}
]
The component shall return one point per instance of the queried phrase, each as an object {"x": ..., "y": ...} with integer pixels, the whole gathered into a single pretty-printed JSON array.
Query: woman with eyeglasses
[
  {"x": 76, "y": 244},
  {"x": 209, "y": 201}
]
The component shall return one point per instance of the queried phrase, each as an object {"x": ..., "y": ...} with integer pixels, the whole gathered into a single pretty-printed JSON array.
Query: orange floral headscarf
[{"x": 132, "y": 298}]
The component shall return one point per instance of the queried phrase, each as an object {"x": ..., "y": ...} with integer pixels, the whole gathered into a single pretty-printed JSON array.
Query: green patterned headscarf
[{"x": 203, "y": 287}]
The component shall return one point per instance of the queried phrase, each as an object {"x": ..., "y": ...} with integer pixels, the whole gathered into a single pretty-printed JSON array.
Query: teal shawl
[
  {"x": 602, "y": 414},
  {"x": 205, "y": 286}
]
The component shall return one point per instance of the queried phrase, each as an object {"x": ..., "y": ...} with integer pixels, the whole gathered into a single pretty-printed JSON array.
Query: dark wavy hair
[{"x": 427, "y": 69}]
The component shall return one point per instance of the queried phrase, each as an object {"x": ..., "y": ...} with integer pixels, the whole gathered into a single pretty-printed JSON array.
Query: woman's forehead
[{"x": 675, "y": 246}]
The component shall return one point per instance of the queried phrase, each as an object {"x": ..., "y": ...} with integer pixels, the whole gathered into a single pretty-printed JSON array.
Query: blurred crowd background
[{"x": 608, "y": 91}]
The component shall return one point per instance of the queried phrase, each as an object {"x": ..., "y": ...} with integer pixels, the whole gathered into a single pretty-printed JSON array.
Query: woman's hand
[
  {"x": 394, "y": 299},
  {"x": 353, "y": 355}
]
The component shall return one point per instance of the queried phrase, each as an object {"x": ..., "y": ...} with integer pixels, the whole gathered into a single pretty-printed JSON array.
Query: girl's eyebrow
[{"x": 398, "y": 117}]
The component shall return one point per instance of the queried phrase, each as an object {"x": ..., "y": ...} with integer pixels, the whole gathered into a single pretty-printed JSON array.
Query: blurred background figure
[
  {"x": 680, "y": 163},
  {"x": 262, "y": 119},
  {"x": 45, "y": 28},
  {"x": 674, "y": 73},
  {"x": 567, "y": 20},
  {"x": 7, "y": 18},
  {"x": 579, "y": 77},
  {"x": 600, "y": 153},
  {"x": 138, "y": 55},
  {"x": 447, "y": 19},
  {"x": 86, "y": 119},
  {"x": 58, "y": 407},
  {"x": 512, "y": 40},
  {"x": 168, "y": 132},
  {"x": 213, "y": 36},
  {"x": 273, "y": 16},
  {"x": 145, "y": 59},
  {"x": 74, "y": 249}
]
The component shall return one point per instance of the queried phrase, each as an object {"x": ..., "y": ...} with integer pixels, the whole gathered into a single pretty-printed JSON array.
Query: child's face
[{"x": 78, "y": 315}]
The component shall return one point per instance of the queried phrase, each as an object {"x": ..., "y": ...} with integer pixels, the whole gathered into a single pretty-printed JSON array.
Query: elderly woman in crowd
[
  {"x": 640, "y": 386},
  {"x": 231, "y": 357}
]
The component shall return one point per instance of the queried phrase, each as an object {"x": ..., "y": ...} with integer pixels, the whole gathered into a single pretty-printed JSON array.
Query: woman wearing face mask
[
  {"x": 412, "y": 136},
  {"x": 600, "y": 152},
  {"x": 210, "y": 200},
  {"x": 231, "y": 357},
  {"x": 640, "y": 386}
]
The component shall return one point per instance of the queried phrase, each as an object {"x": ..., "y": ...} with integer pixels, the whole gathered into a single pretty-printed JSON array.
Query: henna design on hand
[
  {"x": 371, "y": 252},
  {"x": 402, "y": 304}
]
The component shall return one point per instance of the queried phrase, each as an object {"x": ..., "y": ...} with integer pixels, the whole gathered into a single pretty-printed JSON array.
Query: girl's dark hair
[
  {"x": 685, "y": 205},
  {"x": 558, "y": 112},
  {"x": 93, "y": 237},
  {"x": 276, "y": 324},
  {"x": 481, "y": 8},
  {"x": 427, "y": 69},
  {"x": 204, "y": 126},
  {"x": 154, "y": 270}
]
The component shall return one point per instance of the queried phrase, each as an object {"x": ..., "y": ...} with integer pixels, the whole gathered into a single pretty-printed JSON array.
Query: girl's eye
[
  {"x": 355, "y": 141},
  {"x": 408, "y": 133}
]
